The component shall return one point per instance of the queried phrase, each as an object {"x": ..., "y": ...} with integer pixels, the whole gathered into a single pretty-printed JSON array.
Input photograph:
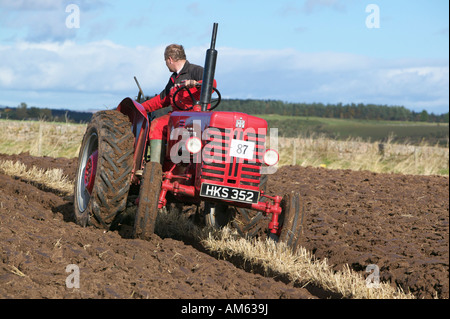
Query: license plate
[{"x": 229, "y": 193}]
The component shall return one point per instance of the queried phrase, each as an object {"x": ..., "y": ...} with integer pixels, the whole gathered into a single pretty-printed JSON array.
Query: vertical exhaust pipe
[{"x": 208, "y": 72}]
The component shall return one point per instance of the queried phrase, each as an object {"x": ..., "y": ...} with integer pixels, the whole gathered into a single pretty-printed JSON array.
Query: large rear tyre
[
  {"x": 291, "y": 219},
  {"x": 147, "y": 211},
  {"x": 104, "y": 170}
]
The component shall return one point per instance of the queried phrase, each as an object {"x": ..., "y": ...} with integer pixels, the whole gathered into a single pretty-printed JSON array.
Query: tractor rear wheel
[
  {"x": 291, "y": 221},
  {"x": 147, "y": 211},
  {"x": 104, "y": 170}
]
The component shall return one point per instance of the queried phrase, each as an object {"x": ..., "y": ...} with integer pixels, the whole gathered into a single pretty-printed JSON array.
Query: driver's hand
[{"x": 189, "y": 83}]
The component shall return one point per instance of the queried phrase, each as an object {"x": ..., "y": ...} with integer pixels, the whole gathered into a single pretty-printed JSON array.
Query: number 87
[{"x": 241, "y": 148}]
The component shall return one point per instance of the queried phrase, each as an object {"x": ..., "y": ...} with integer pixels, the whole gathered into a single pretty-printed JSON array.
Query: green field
[{"x": 368, "y": 130}]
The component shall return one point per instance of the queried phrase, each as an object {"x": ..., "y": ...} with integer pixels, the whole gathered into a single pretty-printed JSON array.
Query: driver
[{"x": 184, "y": 73}]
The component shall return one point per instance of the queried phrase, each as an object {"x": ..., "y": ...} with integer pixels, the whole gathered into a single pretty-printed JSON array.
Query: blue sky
[{"x": 294, "y": 51}]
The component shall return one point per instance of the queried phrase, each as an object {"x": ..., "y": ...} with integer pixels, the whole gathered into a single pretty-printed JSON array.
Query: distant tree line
[
  {"x": 342, "y": 111},
  {"x": 23, "y": 112},
  {"x": 339, "y": 111}
]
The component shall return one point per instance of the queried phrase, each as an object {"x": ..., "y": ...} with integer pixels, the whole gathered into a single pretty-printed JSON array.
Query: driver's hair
[{"x": 175, "y": 51}]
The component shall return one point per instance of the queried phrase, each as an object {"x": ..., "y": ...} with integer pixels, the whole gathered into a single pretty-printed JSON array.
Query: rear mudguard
[{"x": 139, "y": 119}]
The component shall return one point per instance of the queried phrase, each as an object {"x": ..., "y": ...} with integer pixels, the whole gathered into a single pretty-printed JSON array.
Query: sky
[{"x": 83, "y": 54}]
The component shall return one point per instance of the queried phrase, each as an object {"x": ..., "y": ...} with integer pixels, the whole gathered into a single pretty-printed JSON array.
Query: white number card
[{"x": 242, "y": 149}]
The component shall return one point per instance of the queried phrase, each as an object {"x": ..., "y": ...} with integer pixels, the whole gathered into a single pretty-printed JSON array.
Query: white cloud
[
  {"x": 312, "y": 5},
  {"x": 332, "y": 77},
  {"x": 31, "y": 4},
  {"x": 95, "y": 66},
  {"x": 43, "y": 20},
  {"x": 101, "y": 73},
  {"x": 6, "y": 75}
]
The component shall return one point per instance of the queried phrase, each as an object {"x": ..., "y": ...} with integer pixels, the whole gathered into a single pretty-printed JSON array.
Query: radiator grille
[{"x": 221, "y": 168}]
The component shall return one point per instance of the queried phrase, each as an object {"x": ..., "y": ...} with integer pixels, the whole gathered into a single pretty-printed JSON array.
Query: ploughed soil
[{"x": 400, "y": 223}]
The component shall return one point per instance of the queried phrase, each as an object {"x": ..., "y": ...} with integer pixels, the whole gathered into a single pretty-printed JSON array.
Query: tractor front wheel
[
  {"x": 248, "y": 223},
  {"x": 147, "y": 211},
  {"x": 251, "y": 223},
  {"x": 217, "y": 215},
  {"x": 291, "y": 221}
]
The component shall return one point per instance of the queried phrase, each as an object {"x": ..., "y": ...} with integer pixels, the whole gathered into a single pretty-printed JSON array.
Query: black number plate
[{"x": 229, "y": 193}]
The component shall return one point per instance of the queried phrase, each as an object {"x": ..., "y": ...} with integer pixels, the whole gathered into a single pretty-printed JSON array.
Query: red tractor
[{"x": 213, "y": 160}]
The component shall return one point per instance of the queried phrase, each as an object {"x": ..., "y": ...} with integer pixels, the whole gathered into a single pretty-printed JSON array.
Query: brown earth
[{"x": 398, "y": 222}]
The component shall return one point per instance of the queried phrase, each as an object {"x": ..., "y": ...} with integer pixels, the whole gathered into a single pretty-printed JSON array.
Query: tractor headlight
[
  {"x": 194, "y": 145},
  {"x": 271, "y": 157}
]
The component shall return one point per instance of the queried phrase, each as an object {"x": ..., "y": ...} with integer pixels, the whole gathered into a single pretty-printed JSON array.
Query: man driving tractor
[{"x": 184, "y": 73}]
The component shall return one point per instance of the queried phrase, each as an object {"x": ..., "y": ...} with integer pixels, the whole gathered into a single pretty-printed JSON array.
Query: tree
[
  {"x": 21, "y": 112},
  {"x": 424, "y": 116}
]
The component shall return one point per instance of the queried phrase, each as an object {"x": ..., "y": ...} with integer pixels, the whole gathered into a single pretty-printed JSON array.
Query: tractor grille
[{"x": 219, "y": 167}]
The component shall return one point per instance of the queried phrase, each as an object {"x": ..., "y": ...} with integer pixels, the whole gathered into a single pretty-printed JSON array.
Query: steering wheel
[{"x": 214, "y": 103}]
